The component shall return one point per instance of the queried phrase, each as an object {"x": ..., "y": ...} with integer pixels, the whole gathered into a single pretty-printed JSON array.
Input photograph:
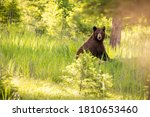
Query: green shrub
[{"x": 85, "y": 75}]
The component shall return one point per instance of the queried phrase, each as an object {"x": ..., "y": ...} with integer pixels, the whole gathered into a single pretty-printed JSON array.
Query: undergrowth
[{"x": 31, "y": 66}]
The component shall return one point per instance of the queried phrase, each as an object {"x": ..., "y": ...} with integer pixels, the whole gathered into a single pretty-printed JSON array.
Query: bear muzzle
[{"x": 99, "y": 36}]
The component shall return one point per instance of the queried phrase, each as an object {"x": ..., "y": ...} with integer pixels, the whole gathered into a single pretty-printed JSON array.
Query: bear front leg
[{"x": 105, "y": 57}]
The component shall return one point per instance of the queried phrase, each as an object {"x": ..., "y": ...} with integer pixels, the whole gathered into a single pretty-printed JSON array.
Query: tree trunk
[
  {"x": 149, "y": 90},
  {"x": 116, "y": 32}
]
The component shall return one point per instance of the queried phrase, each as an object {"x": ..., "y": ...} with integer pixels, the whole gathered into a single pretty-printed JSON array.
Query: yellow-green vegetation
[
  {"x": 86, "y": 75},
  {"x": 7, "y": 89},
  {"x": 37, "y": 65},
  {"x": 39, "y": 40}
]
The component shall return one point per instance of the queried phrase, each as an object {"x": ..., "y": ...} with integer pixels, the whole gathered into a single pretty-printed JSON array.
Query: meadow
[{"x": 35, "y": 64}]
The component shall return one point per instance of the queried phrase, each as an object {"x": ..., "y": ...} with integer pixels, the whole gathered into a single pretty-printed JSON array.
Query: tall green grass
[
  {"x": 7, "y": 89},
  {"x": 37, "y": 57},
  {"x": 41, "y": 59},
  {"x": 130, "y": 66}
]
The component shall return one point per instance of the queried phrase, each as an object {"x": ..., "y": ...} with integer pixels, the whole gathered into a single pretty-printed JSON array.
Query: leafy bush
[{"x": 85, "y": 75}]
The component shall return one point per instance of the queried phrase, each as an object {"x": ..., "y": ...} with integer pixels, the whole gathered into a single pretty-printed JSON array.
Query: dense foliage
[{"x": 86, "y": 75}]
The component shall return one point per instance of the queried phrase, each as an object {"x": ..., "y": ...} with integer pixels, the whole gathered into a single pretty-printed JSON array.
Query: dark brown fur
[{"x": 94, "y": 45}]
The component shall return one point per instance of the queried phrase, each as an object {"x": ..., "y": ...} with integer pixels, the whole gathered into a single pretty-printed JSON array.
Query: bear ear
[
  {"x": 103, "y": 28},
  {"x": 94, "y": 28}
]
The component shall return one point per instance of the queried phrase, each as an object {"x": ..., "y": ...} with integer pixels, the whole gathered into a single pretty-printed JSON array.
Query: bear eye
[{"x": 99, "y": 36}]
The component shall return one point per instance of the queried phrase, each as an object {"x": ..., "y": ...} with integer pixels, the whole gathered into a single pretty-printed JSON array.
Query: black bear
[{"x": 95, "y": 44}]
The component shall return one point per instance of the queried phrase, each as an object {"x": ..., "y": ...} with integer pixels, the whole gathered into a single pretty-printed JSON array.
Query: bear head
[{"x": 99, "y": 33}]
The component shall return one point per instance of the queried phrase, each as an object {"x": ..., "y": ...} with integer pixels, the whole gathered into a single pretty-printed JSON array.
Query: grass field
[{"x": 36, "y": 63}]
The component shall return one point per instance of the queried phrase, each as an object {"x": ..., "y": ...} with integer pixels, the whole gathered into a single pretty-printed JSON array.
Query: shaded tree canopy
[
  {"x": 9, "y": 11},
  {"x": 129, "y": 10},
  {"x": 44, "y": 16}
]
